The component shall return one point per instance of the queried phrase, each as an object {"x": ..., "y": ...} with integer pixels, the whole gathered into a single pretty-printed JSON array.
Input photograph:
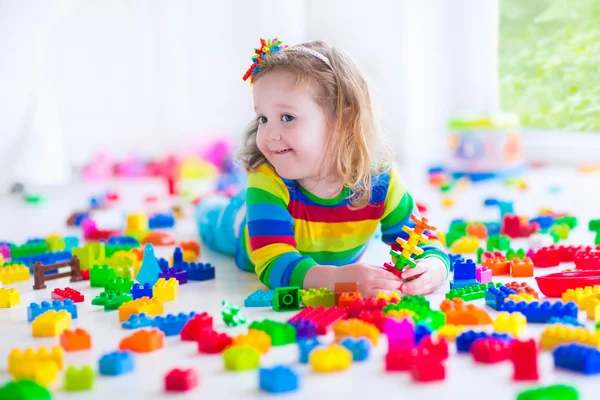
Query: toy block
[
  {"x": 496, "y": 296},
  {"x": 67, "y": 293},
  {"x": 400, "y": 333},
  {"x": 277, "y": 380},
  {"x": 458, "y": 284},
  {"x": 490, "y": 350},
  {"x": 181, "y": 380},
  {"x": 40, "y": 366},
  {"x": 465, "y": 270},
  {"x": 199, "y": 271},
  {"x": 477, "y": 229},
  {"x": 79, "y": 379},
  {"x": 76, "y": 340},
  {"x": 498, "y": 265},
  {"x": 513, "y": 323},
  {"x": 373, "y": 317},
  {"x": 149, "y": 270},
  {"x": 578, "y": 358},
  {"x": 521, "y": 268},
  {"x": 344, "y": 287},
  {"x": 421, "y": 331},
  {"x": 360, "y": 348},
  {"x": 143, "y": 341},
  {"x": 512, "y": 254},
  {"x": 161, "y": 221},
  {"x": 565, "y": 321},
  {"x": 260, "y": 340},
  {"x": 562, "y": 392},
  {"x": 211, "y": 342},
  {"x": 438, "y": 348},
  {"x": 116, "y": 363},
  {"x": 546, "y": 257},
  {"x": 166, "y": 290},
  {"x": 465, "y": 340},
  {"x": 584, "y": 260},
  {"x": 190, "y": 246},
  {"x": 143, "y": 305},
  {"x": 322, "y": 317},
  {"x": 524, "y": 358},
  {"x": 286, "y": 299},
  {"x": 593, "y": 310},
  {"x": 280, "y": 333},
  {"x": 459, "y": 313},
  {"x": 304, "y": 328},
  {"x": 231, "y": 314},
  {"x": 171, "y": 325},
  {"x": 355, "y": 328},
  {"x": 539, "y": 240},
  {"x": 389, "y": 297},
  {"x": 51, "y": 323},
  {"x": 111, "y": 300},
  {"x": 527, "y": 298},
  {"x": 347, "y": 298},
  {"x": 560, "y": 230},
  {"x": 99, "y": 275},
  {"x": 9, "y": 298},
  {"x": 141, "y": 290},
  {"x": 176, "y": 272},
  {"x": 330, "y": 359},
  {"x": 24, "y": 389},
  {"x": 136, "y": 321},
  {"x": 241, "y": 358},
  {"x": 305, "y": 347},
  {"x": 192, "y": 330},
  {"x": 455, "y": 258},
  {"x": 428, "y": 369},
  {"x": 465, "y": 245},
  {"x": 556, "y": 334},
  {"x": 498, "y": 242},
  {"x": 119, "y": 285},
  {"x": 514, "y": 227},
  {"x": 260, "y": 298},
  {"x": 522, "y": 287},
  {"x": 472, "y": 292},
  {"x": 14, "y": 274},
  {"x": 483, "y": 275},
  {"x": 450, "y": 332},
  {"x": 400, "y": 359},
  {"x": 537, "y": 312}
]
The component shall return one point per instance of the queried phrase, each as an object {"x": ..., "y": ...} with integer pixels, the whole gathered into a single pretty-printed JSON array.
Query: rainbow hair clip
[{"x": 266, "y": 47}]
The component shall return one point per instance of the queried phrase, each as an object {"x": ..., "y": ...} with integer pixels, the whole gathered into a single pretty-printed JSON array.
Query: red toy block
[
  {"x": 85, "y": 274},
  {"x": 524, "y": 358},
  {"x": 392, "y": 268},
  {"x": 422, "y": 207},
  {"x": 322, "y": 317},
  {"x": 67, "y": 293},
  {"x": 567, "y": 253},
  {"x": 588, "y": 259},
  {"x": 195, "y": 326},
  {"x": 547, "y": 257},
  {"x": 399, "y": 359},
  {"x": 375, "y": 317},
  {"x": 521, "y": 268},
  {"x": 76, "y": 340},
  {"x": 347, "y": 298},
  {"x": 489, "y": 255},
  {"x": 428, "y": 369},
  {"x": 181, "y": 380},
  {"x": 211, "y": 342},
  {"x": 514, "y": 227},
  {"x": 143, "y": 341},
  {"x": 438, "y": 349},
  {"x": 490, "y": 350}
]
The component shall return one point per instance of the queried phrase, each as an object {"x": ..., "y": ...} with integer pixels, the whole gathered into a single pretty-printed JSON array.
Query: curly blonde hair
[{"x": 359, "y": 150}]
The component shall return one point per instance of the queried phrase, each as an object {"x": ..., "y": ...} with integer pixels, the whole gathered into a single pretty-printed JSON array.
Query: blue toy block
[
  {"x": 455, "y": 258},
  {"x": 171, "y": 324},
  {"x": 149, "y": 271},
  {"x": 138, "y": 291},
  {"x": 421, "y": 331},
  {"x": 35, "y": 309},
  {"x": 505, "y": 207},
  {"x": 136, "y": 321},
  {"x": 436, "y": 170},
  {"x": 116, "y": 363},
  {"x": 545, "y": 221},
  {"x": 305, "y": 328},
  {"x": 537, "y": 312},
  {"x": 306, "y": 346},
  {"x": 45, "y": 258},
  {"x": 360, "y": 348},
  {"x": 199, "y": 271},
  {"x": 123, "y": 241},
  {"x": 176, "y": 272},
  {"x": 163, "y": 264},
  {"x": 578, "y": 358},
  {"x": 466, "y": 339},
  {"x": 161, "y": 221},
  {"x": 260, "y": 298},
  {"x": 80, "y": 217},
  {"x": 565, "y": 321},
  {"x": 457, "y": 284},
  {"x": 177, "y": 256},
  {"x": 493, "y": 228},
  {"x": 279, "y": 379},
  {"x": 465, "y": 270},
  {"x": 70, "y": 242},
  {"x": 495, "y": 297}
]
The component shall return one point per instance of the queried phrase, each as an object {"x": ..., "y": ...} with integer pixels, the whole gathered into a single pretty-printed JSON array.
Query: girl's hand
[
  {"x": 371, "y": 279},
  {"x": 427, "y": 276}
]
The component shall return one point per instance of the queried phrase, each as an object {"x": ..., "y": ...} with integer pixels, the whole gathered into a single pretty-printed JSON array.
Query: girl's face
[{"x": 292, "y": 128}]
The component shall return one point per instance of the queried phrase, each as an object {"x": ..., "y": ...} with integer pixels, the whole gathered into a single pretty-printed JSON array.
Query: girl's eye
[
  {"x": 287, "y": 118},
  {"x": 262, "y": 119}
]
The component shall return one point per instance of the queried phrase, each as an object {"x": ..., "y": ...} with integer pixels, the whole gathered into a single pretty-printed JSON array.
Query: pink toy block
[
  {"x": 483, "y": 275},
  {"x": 400, "y": 334},
  {"x": 5, "y": 251},
  {"x": 101, "y": 167}
]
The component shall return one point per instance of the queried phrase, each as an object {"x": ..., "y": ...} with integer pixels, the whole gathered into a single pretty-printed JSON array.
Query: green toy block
[
  {"x": 286, "y": 299},
  {"x": 55, "y": 244},
  {"x": 241, "y": 358},
  {"x": 280, "y": 332},
  {"x": 231, "y": 314},
  {"x": 434, "y": 319},
  {"x": 458, "y": 226},
  {"x": 561, "y": 230},
  {"x": 498, "y": 242},
  {"x": 594, "y": 225},
  {"x": 111, "y": 299},
  {"x": 570, "y": 220},
  {"x": 119, "y": 284},
  {"x": 90, "y": 254},
  {"x": 34, "y": 198},
  {"x": 100, "y": 275},
  {"x": 114, "y": 248},
  {"x": 79, "y": 379},
  {"x": 317, "y": 297},
  {"x": 512, "y": 254},
  {"x": 452, "y": 236},
  {"x": 28, "y": 249},
  {"x": 554, "y": 392},
  {"x": 480, "y": 252},
  {"x": 472, "y": 292},
  {"x": 24, "y": 390}
]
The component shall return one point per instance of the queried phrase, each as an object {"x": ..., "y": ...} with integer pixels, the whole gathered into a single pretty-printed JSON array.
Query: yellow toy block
[
  {"x": 51, "y": 323},
  {"x": 355, "y": 328},
  {"x": 447, "y": 201},
  {"x": 581, "y": 295},
  {"x": 9, "y": 298},
  {"x": 142, "y": 305},
  {"x": 388, "y": 296},
  {"x": 166, "y": 290},
  {"x": 557, "y": 334},
  {"x": 528, "y": 298},
  {"x": 40, "y": 366},
  {"x": 513, "y": 323},
  {"x": 1, "y": 260},
  {"x": 241, "y": 358},
  {"x": 254, "y": 338},
  {"x": 450, "y": 332},
  {"x": 465, "y": 245},
  {"x": 15, "y": 273},
  {"x": 188, "y": 256},
  {"x": 330, "y": 359},
  {"x": 593, "y": 310}
]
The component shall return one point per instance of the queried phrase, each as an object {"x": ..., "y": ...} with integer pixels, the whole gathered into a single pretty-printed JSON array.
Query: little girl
[{"x": 320, "y": 181}]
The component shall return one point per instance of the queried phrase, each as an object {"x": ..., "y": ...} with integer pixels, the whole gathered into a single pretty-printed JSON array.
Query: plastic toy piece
[
  {"x": 9, "y": 297},
  {"x": 158, "y": 238},
  {"x": 421, "y": 332},
  {"x": 176, "y": 272},
  {"x": 241, "y": 358},
  {"x": 199, "y": 271},
  {"x": 99, "y": 275},
  {"x": 578, "y": 358},
  {"x": 304, "y": 328},
  {"x": 400, "y": 359},
  {"x": 524, "y": 358},
  {"x": 537, "y": 312},
  {"x": 333, "y": 358},
  {"x": 465, "y": 245},
  {"x": 280, "y": 333},
  {"x": 24, "y": 389},
  {"x": 565, "y": 321},
  {"x": 521, "y": 268},
  {"x": 556, "y": 334},
  {"x": 111, "y": 300},
  {"x": 428, "y": 369},
  {"x": 67, "y": 293},
  {"x": 231, "y": 314},
  {"x": 514, "y": 227},
  {"x": 458, "y": 313},
  {"x": 360, "y": 348},
  {"x": 190, "y": 246},
  {"x": 450, "y": 332},
  {"x": 400, "y": 333},
  {"x": 554, "y": 285},
  {"x": 193, "y": 329},
  {"x": 477, "y": 229},
  {"x": 259, "y": 298},
  {"x": 51, "y": 323},
  {"x": 166, "y": 290},
  {"x": 344, "y": 287},
  {"x": 306, "y": 346},
  {"x": 584, "y": 260},
  {"x": 496, "y": 296},
  {"x": 539, "y": 240},
  {"x": 143, "y": 341},
  {"x": 409, "y": 247},
  {"x": 498, "y": 265},
  {"x": 355, "y": 328},
  {"x": 522, "y": 287},
  {"x": 554, "y": 392},
  {"x": 181, "y": 380},
  {"x": 277, "y": 380},
  {"x": 161, "y": 221},
  {"x": 498, "y": 242},
  {"x": 254, "y": 338},
  {"x": 546, "y": 257},
  {"x": 76, "y": 340},
  {"x": 211, "y": 342},
  {"x": 43, "y": 273},
  {"x": 150, "y": 270},
  {"x": 465, "y": 270},
  {"x": 116, "y": 363},
  {"x": 511, "y": 254},
  {"x": 286, "y": 299},
  {"x": 483, "y": 275},
  {"x": 119, "y": 285},
  {"x": 143, "y": 305},
  {"x": 47, "y": 363},
  {"x": 467, "y": 338},
  {"x": 77, "y": 379},
  {"x": 490, "y": 350},
  {"x": 581, "y": 296},
  {"x": 472, "y": 292},
  {"x": 141, "y": 290},
  {"x": 513, "y": 323},
  {"x": 322, "y": 317},
  {"x": 14, "y": 273},
  {"x": 346, "y": 299},
  {"x": 136, "y": 321},
  {"x": 527, "y": 298}
]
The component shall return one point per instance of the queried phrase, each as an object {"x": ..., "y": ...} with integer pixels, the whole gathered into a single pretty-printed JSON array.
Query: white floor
[{"x": 465, "y": 379}]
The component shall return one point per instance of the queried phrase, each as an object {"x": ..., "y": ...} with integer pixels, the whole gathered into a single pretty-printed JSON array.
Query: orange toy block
[
  {"x": 355, "y": 328},
  {"x": 347, "y": 298},
  {"x": 521, "y": 268},
  {"x": 76, "y": 340},
  {"x": 190, "y": 246},
  {"x": 478, "y": 230},
  {"x": 143, "y": 341},
  {"x": 343, "y": 287},
  {"x": 498, "y": 265},
  {"x": 459, "y": 313},
  {"x": 522, "y": 287}
]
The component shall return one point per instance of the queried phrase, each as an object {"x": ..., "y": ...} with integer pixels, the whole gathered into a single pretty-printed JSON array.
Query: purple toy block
[
  {"x": 305, "y": 329},
  {"x": 483, "y": 275},
  {"x": 400, "y": 334},
  {"x": 176, "y": 272}
]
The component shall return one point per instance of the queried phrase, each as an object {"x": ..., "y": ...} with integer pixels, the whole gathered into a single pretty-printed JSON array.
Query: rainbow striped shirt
[{"x": 289, "y": 230}]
